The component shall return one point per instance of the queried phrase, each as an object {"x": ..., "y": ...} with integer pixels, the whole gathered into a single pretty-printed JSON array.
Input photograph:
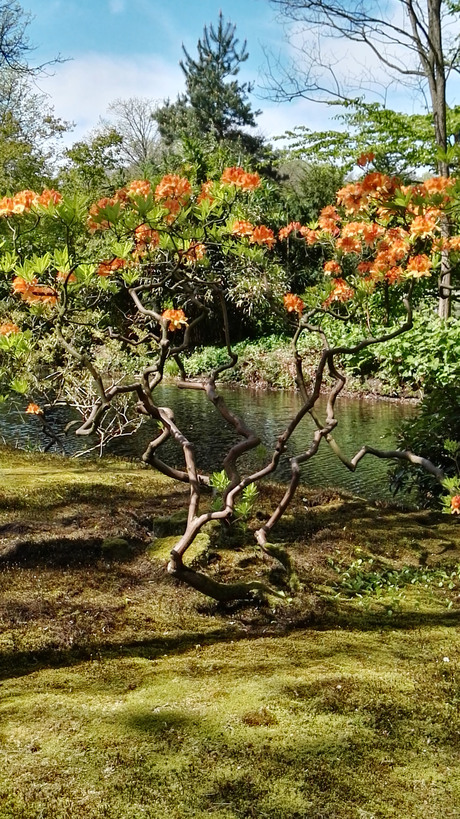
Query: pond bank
[{"x": 268, "y": 364}]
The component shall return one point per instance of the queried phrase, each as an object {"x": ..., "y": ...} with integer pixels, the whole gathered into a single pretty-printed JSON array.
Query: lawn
[{"x": 125, "y": 695}]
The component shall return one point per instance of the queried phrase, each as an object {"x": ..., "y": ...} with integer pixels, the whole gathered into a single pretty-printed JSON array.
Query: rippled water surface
[{"x": 266, "y": 413}]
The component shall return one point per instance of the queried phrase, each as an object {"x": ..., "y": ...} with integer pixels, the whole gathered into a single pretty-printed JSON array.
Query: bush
[{"x": 438, "y": 420}]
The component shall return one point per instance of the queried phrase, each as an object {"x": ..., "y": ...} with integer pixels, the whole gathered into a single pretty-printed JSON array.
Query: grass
[{"x": 123, "y": 694}]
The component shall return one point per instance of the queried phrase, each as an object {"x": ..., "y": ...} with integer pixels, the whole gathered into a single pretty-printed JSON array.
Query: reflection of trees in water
[{"x": 267, "y": 413}]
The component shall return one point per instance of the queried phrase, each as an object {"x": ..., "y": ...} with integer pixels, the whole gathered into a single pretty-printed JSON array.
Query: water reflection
[{"x": 266, "y": 413}]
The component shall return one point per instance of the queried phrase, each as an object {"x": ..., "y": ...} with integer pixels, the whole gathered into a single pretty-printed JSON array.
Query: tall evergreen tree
[{"x": 215, "y": 102}]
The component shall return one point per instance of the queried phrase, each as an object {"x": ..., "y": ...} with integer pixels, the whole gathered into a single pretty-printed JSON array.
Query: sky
[
  {"x": 116, "y": 49},
  {"x": 125, "y": 48}
]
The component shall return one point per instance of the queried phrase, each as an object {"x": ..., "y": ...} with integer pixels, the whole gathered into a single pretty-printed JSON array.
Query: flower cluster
[
  {"x": 341, "y": 291},
  {"x": 8, "y": 328},
  {"x": 173, "y": 192},
  {"x": 293, "y": 304},
  {"x": 455, "y": 505},
  {"x": 25, "y": 200},
  {"x": 240, "y": 179},
  {"x": 33, "y": 292},
  {"x": 107, "y": 267},
  {"x": 175, "y": 318},
  {"x": 193, "y": 253},
  {"x": 34, "y": 409},
  {"x": 260, "y": 235}
]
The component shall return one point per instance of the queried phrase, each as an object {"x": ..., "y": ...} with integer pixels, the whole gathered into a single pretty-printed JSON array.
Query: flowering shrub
[{"x": 136, "y": 273}]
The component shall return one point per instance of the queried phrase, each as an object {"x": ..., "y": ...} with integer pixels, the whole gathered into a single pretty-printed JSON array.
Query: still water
[{"x": 266, "y": 413}]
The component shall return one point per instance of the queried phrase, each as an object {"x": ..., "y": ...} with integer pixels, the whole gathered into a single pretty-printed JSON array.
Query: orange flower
[
  {"x": 351, "y": 197},
  {"x": 144, "y": 235},
  {"x": 32, "y": 292},
  {"x": 332, "y": 268},
  {"x": 341, "y": 291},
  {"x": 454, "y": 243},
  {"x": 394, "y": 275},
  {"x": 175, "y": 318},
  {"x": 241, "y": 179},
  {"x": 34, "y": 409},
  {"x": 293, "y": 304},
  {"x": 284, "y": 232},
  {"x": 423, "y": 226},
  {"x": 438, "y": 184},
  {"x": 108, "y": 267},
  {"x": 365, "y": 159},
  {"x": 194, "y": 253},
  {"x": 173, "y": 187},
  {"x": 419, "y": 266},
  {"x": 49, "y": 196},
  {"x": 242, "y": 228},
  {"x": 349, "y": 244},
  {"x": 455, "y": 505},
  {"x": 364, "y": 268},
  {"x": 310, "y": 236},
  {"x": 328, "y": 219},
  {"x": 205, "y": 193},
  {"x": 139, "y": 187},
  {"x": 8, "y": 328},
  {"x": 371, "y": 233},
  {"x": 263, "y": 235}
]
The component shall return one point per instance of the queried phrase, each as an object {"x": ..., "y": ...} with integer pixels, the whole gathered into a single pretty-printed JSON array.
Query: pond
[{"x": 361, "y": 421}]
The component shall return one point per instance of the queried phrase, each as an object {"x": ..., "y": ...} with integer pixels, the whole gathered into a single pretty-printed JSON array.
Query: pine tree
[{"x": 215, "y": 102}]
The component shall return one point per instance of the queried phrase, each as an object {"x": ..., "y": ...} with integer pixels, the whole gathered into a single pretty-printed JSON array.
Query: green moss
[{"x": 125, "y": 695}]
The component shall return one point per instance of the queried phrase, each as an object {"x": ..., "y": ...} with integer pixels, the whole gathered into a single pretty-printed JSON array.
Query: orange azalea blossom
[
  {"x": 284, "y": 232},
  {"x": 364, "y": 268},
  {"x": 240, "y": 178},
  {"x": 262, "y": 235},
  {"x": 175, "y": 318},
  {"x": 205, "y": 193},
  {"x": 371, "y": 233},
  {"x": 438, "y": 184},
  {"x": 108, "y": 267},
  {"x": 341, "y": 291},
  {"x": 455, "y": 505},
  {"x": 173, "y": 187},
  {"x": 310, "y": 236},
  {"x": 144, "y": 235},
  {"x": 139, "y": 187},
  {"x": 454, "y": 243},
  {"x": 418, "y": 266},
  {"x": 194, "y": 253},
  {"x": 242, "y": 228},
  {"x": 423, "y": 226},
  {"x": 19, "y": 203},
  {"x": 94, "y": 221},
  {"x": 332, "y": 268},
  {"x": 34, "y": 409},
  {"x": 349, "y": 244},
  {"x": 328, "y": 219},
  {"x": 365, "y": 159},
  {"x": 32, "y": 292},
  {"x": 351, "y": 197},
  {"x": 293, "y": 304},
  {"x": 379, "y": 184},
  {"x": 394, "y": 275},
  {"x": 8, "y": 328},
  {"x": 48, "y": 197}
]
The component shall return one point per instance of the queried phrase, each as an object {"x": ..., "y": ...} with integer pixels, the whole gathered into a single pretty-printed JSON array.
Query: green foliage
[
  {"x": 424, "y": 358},
  {"x": 362, "y": 578},
  {"x": 437, "y": 423}
]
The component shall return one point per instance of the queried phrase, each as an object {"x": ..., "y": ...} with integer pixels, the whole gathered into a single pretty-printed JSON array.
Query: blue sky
[{"x": 124, "y": 48}]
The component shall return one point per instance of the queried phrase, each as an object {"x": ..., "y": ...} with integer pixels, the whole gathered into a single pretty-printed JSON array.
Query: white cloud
[{"x": 81, "y": 90}]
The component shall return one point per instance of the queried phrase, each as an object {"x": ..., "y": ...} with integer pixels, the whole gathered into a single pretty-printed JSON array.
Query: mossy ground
[{"x": 125, "y": 695}]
